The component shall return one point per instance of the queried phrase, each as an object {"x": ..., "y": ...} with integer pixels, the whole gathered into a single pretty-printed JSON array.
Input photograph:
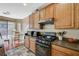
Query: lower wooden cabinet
[
  {"x": 27, "y": 42},
  {"x": 61, "y": 51},
  {"x": 2, "y": 52},
  {"x": 58, "y": 53},
  {"x": 32, "y": 44},
  {"x": 16, "y": 43}
]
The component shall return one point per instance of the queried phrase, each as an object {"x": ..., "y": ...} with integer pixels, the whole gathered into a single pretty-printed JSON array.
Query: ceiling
[{"x": 18, "y": 10}]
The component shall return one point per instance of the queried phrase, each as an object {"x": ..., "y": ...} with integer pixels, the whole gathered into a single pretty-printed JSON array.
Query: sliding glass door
[
  {"x": 11, "y": 28},
  {"x": 3, "y": 31},
  {"x": 7, "y": 30},
  {"x": 4, "y": 34}
]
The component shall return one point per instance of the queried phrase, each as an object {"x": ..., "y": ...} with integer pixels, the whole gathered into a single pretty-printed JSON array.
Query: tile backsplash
[{"x": 71, "y": 33}]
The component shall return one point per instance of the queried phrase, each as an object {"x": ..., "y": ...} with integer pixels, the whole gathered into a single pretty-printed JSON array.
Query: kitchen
[{"x": 52, "y": 29}]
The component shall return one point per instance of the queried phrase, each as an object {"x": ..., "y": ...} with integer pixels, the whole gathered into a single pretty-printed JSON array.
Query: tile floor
[{"x": 20, "y": 51}]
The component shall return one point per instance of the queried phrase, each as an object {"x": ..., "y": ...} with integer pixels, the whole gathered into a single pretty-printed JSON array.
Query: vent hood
[{"x": 46, "y": 21}]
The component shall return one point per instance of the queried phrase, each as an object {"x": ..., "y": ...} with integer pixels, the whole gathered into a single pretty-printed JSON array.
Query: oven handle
[{"x": 42, "y": 46}]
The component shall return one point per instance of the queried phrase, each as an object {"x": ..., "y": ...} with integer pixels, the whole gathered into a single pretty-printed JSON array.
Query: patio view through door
[
  {"x": 4, "y": 34},
  {"x": 6, "y": 29}
]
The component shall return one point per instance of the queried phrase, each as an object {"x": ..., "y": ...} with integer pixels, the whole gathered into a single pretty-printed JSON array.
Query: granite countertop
[{"x": 65, "y": 44}]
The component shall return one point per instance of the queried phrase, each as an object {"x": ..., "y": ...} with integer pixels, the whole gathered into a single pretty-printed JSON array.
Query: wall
[{"x": 71, "y": 33}]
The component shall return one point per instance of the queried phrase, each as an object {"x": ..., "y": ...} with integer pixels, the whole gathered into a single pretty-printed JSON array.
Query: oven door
[{"x": 42, "y": 51}]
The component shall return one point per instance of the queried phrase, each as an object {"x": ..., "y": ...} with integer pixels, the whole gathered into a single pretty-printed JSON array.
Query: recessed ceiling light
[{"x": 24, "y": 4}]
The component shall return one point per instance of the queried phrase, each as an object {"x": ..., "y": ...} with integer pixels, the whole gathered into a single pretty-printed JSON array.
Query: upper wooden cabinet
[
  {"x": 64, "y": 15},
  {"x": 31, "y": 21},
  {"x": 49, "y": 11},
  {"x": 36, "y": 19},
  {"x": 42, "y": 14},
  {"x": 37, "y": 15},
  {"x": 77, "y": 15},
  {"x": 26, "y": 20}
]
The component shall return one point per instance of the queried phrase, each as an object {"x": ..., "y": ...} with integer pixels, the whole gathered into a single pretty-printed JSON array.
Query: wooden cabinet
[
  {"x": 31, "y": 21},
  {"x": 61, "y": 51},
  {"x": 2, "y": 52},
  {"x": 58, "y": 53},
  {"x": 26, "y": 20},
  {"x": 27, "y": 42},
  {"x": 16, "y": 43},
  {"x": 64, "y": 15},
  {"x": 49, "y": 11},
  {"x": 37, "y": 15},
  {"x": 32, "y": 44},
  {"x": 77, "y": 15},
  {"x": 36, "y": 19},
  {"x": 42, "y": 14}
]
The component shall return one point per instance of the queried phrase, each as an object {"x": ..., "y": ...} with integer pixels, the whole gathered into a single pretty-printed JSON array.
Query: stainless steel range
[{"x": 43, "y": 43}]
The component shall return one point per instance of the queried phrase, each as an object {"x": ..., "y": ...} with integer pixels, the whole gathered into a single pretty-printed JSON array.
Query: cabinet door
[
  {"x": 2, "y": 52},
  {"x": 31, "y": 21},
  {"x": 16, "y": 43},
  {"x": 61, "y": 51},
  {"x": 26, "y": 20},
  {"x": 26, "y": 42},
  {"x": 64, "y": 15},
  {"x": 32, "y": 45},
  {"x": 49, "y": 11},
  {"x": 77, "y": 15},
  {"x": 57, "y": 53},
  {"x": 36, "y": 25},
  {"x": 42, "y": 14}
]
